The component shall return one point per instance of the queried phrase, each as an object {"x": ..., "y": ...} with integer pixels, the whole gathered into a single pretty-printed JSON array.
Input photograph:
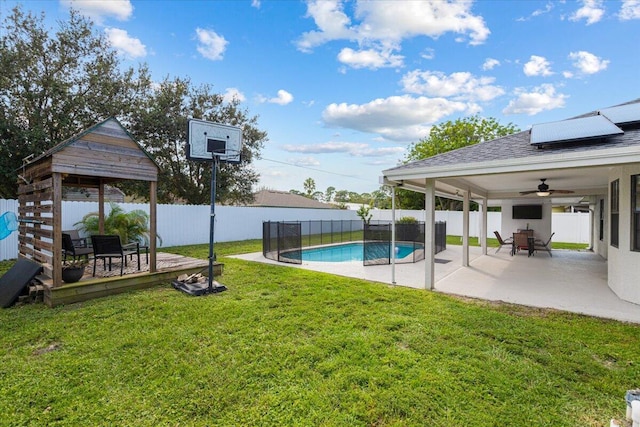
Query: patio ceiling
[{"x": 584, "y": 182}]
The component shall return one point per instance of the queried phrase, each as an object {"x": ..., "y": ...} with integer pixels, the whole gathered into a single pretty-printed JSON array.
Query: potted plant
[{"x": 73, "y": 270}]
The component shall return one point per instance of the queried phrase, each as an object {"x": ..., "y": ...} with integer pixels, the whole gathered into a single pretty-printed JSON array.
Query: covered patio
[{"x": 592, "y": 160}]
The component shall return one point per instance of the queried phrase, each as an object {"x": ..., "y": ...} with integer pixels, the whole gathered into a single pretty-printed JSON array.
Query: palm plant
[{"x": 130, "y": 226}]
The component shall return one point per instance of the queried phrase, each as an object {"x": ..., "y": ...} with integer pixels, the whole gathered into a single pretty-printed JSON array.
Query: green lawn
[{"x": 290, "y": 347}]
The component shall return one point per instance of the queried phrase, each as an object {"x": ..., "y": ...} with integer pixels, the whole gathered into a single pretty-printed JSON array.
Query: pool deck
[{"x": 574, "y": 281}]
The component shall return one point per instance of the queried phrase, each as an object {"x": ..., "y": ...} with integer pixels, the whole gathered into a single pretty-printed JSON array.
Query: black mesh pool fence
[{"x": 283, "y": 240}]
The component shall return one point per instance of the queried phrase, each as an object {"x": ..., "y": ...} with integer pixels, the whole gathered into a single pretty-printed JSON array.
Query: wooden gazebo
[{"x": 103, "y": 154}]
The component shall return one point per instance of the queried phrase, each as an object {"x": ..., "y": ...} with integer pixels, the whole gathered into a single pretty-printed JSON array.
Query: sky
[{"x": 344, "y": 87}]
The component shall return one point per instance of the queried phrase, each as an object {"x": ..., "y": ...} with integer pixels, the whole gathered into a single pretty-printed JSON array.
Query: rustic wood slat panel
[
  {"x": 105, "y": 164},
  {"x": 80, "y": 155},
  {"x": 33, "y": 254},
  {"x": 37, "y": 170},
  {"x": 41, "y": 244},
  {"x": 36, "y": 186},
  {"x": 22, "y": 210},
  {"x": 116, "y": 172},
  {"x": 100, "y": 160},
  {"x": 91, "y": 149},
  {"x": 35, "y": 197},
  {"x": 110, "y": 140},
  {"x": 36, "y": 232},
  {"x": 45, "y": 220}
]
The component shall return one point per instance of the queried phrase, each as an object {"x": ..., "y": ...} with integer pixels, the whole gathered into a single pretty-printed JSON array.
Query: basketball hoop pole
[{"x": 212, "y": 222}]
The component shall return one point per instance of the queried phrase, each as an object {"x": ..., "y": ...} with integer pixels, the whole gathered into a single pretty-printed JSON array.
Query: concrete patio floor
[{"x": 574, "y": 281}]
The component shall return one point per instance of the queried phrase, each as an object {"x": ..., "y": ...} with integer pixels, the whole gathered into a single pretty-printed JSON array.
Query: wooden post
[
  {"x": 57, "y": 230},
  {"x": 153, "y": 212},
  {"x": 101, "y": 207}
]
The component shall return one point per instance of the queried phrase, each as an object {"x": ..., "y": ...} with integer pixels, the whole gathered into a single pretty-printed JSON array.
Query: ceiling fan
[{"x": 543, "y": 190}]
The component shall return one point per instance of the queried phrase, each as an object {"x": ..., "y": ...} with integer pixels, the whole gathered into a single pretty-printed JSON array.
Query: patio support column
[
  {"x": 429, "y": 232},
  {"x": 483, "y": 228},
  {"x": 153, "y": 228},
  {"x": 465, "y": 229}
]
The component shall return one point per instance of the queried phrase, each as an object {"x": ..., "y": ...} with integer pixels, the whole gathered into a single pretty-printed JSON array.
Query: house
[
  {"x": 593, "y": 158},
  {"x": 283, "y": 199}
]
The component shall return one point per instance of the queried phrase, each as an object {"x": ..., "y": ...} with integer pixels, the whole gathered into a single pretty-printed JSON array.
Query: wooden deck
[{"x": 170, "y": 266}]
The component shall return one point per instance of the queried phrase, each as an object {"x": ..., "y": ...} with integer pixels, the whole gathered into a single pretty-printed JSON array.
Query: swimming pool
[{"x": 353, "y": 252}]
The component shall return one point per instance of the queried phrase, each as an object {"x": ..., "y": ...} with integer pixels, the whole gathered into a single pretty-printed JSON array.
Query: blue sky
[{"x": 343, "y": 87}]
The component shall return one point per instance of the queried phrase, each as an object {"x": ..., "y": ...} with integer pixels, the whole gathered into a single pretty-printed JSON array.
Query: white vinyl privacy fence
[{"x": 189, "y": 224}]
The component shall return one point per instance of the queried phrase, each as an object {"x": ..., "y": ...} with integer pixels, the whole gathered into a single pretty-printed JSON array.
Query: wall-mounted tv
[{"x": 527, "y": 212}]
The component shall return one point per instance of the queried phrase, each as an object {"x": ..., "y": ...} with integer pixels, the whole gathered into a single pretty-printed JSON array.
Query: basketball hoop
[{"x": 215, "y": 143}]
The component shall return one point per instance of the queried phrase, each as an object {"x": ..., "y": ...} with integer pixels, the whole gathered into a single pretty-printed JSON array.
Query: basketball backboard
[{"x": 207, "y": 139}]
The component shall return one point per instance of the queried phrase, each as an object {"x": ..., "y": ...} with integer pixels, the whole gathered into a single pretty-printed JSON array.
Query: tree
[
  {"x": 328, "y": 194},
  {"x": 341, "y": 196},
  {"x": 452, "y": 135},
  {"x": 309, "y": 187},
  {"x": 132, "y": 226},
  {"x": 364, "y": 212},
  {"x": 381, "y": 198},
  {"x": 54, "y": 84},
  {"x": 160, "y": 125}
]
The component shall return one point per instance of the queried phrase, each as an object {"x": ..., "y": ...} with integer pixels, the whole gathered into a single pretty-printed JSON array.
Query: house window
[
  {"x": 615, "y": 215},
  {"x": 601, "y": 220},
  {"x": 635, "y": 212}
]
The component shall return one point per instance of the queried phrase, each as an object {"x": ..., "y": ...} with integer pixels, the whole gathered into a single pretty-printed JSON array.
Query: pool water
[{"x": 349, "y": 252}]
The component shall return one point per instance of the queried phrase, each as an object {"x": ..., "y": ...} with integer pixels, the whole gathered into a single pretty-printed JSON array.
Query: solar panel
[
  {"x": 572, "y": 130},
  {"x": 623, "y": 114}
]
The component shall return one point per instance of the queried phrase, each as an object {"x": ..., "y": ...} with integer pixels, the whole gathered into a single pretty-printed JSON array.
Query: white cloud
[
  {"x": 591, "y": 11},
  {"x": 630, "y": 9},
  {"x": 543, "y": 97},
  {"x": 369, "y": 58},
  {"x": 355, "y": 149},
  {"x": 332, "y": 24},
  {"x": 304, "y": 161},
  {"x": 490, "y": 64},
  {"x": 283, "y": 98},
  {"x": 99, "y": 10},
  {"x": 428, "y": 53},
  {"x": 255, "y": 3},
  {"x": 548, "y": 8},
  {"x": 588, "y": 63},
  {"x": 379, "y": 29},
  {"x": 397, "y": 118},
  {"x": 567, "y": 74},
  {"x": 124, "y": 44},
  {"x": 537, "y": 66},
  {"x": 231, "y": 94},
  {"x": 210, "y": 44},
  {"x": 462, "y": 86}
]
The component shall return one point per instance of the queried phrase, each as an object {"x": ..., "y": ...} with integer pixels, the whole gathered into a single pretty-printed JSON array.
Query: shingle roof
[
  {"x": 272, "y": 198},
  {"x": 518, "y": 145}
]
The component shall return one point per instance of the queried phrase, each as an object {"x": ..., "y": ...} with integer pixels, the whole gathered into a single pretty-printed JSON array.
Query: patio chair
[
  {"x": 522, "y": 241},
  {"x": 543, "y": 246},
  {"x": 75, "y": 252},
  {"x": 109, "y": 247},
  {"x": 78, "y": 242},
  {"x": 501, "y": 242}
]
